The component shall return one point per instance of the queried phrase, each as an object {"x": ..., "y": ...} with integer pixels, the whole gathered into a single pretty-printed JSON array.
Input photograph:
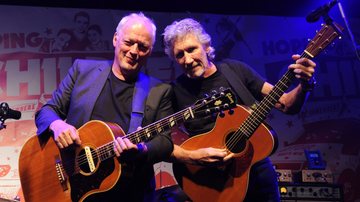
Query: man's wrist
[
  {"x": 142, "y": 148},
  {"x": 308, "y": 86}
]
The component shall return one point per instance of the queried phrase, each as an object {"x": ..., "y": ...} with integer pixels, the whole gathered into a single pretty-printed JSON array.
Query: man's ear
[
  {"x": 207, "y": 50},
  {"x": 115, "y": 38}
]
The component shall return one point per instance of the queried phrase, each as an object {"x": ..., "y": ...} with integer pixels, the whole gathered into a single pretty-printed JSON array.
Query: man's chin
[
  {"x": 131, "y": 66},
  {"x": 194, "y": 75}
]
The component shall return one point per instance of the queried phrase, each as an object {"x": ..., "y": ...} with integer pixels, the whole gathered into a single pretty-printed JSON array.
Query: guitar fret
[
  {"x": 277, "y": 93},
  {"x": 252, "y": 117},
  {"x": 264, "y": 107},
  {"x": 245, "y": 132},
  {"x": 172, "y": 122},
  {"x": 273, "y": 100},
  {"x": 137, "y": 136},
  {"x": 283, "y": 83},
  {"x": 250, "y": 124},
  {"x": 266, "y": 102},
  {"x": 190, "y": 112},
  {"x": 187, "y": 115},
  {"x": 147, "y": 133},
  {"x": 159, "y": 129}
]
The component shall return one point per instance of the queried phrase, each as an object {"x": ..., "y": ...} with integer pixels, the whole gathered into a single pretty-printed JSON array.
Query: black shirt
[
  {"x": 187, "y": 91},
  {"x": 115, "y": 102}
]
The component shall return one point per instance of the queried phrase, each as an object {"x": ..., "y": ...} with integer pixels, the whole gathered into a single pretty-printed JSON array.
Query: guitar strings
[
  {"x": 108, "y": 149},
  {"x": 248, "y": 127},
  {"x": 151, "y": 129}
]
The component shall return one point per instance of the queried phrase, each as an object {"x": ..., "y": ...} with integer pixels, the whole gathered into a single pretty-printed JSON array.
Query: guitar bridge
[{"x": 62, "y": 177}]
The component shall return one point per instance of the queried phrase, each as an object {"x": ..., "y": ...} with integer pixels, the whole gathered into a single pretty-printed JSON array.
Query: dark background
[{"x": 236, "y": 7}]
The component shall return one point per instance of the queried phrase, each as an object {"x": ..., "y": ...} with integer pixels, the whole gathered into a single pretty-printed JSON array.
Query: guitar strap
[
  {"x": 142, "y": 88},
  {"x": 236, "y": 84}
]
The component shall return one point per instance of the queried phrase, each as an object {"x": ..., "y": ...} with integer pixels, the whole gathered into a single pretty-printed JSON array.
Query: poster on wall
[{"x": 38, "y": 47}]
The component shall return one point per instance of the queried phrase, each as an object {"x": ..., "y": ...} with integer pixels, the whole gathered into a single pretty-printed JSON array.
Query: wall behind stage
[{"x": 33, "y": 62}]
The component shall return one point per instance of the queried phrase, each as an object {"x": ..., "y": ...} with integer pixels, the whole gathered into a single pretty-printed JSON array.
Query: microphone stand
[
  {"x": 2, "y": 125},
  {"x": 329, "y": 21},
  {"x": 2, "y": 116},
  {"x": 356, "y": 47}
]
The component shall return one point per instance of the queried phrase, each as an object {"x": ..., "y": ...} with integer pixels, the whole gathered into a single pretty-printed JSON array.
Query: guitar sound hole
[
  {"x": 235, "y": 142},
  {"x": 83, "y": 161}
]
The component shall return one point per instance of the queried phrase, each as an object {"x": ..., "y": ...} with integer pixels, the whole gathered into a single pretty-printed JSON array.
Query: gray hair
[
  {"x": 140, "y": 17},
  {"x": 179, "y": 29}
]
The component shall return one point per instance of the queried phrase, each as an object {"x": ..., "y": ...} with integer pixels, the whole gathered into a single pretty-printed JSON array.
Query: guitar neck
[
  {"x": 220, "y": 101},
  {"x": 268, "y": 102},
  {"x": 160, "y": 126},
  {"x": 322, "y": 39},
  {"x": 146, "y": 133}
]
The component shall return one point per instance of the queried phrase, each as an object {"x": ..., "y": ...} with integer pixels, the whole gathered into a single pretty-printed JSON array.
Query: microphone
[
  {"x": 7, "y": 113},
  {"x": 322, "y": 10}
]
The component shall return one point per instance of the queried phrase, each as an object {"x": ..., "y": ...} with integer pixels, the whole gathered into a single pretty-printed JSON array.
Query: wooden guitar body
[
  {"x": 225, "y": 183},
  {"x": 50, "y": 175},
  {"x": 244, "y": 134},
  {"x": 75, "y": 173}
]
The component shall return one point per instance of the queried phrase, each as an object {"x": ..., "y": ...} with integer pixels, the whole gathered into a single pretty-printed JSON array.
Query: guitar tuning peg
[
  {"x": 231, "y": 111},
  {"x": 206, "y": 95},
  {"x": 221, "y": 89},
  {"x": 213, "y": 93},
  {"x": 222, "y": 114}
]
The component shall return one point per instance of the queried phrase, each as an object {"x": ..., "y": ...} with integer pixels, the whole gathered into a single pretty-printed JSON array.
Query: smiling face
[
  {"x": 93, "y": 36},
  {"x": 191, "y": 55},
  {"x": 133, "y": 45},
  {"x": 61, "y": 41},
  {"x": 81, "y": 24}
]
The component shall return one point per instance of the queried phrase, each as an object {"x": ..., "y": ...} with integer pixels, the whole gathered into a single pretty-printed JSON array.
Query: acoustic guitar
[
  {"x": 243, "y": 133},
  {"x": 73, "y": 174}
]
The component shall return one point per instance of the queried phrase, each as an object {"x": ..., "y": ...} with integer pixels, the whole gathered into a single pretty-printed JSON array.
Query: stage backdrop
[{"x": 36, "y": 52}]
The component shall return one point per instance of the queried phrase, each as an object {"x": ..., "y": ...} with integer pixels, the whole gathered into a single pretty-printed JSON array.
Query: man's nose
[
  {"x": 188, "y": 58},
  {"x": 134, "y": 48}
]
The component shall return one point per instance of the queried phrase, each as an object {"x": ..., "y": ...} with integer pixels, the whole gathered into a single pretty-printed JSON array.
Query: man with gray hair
[
  {"x": 108, "y": 91},
  {"x": 189, "y": 45}
]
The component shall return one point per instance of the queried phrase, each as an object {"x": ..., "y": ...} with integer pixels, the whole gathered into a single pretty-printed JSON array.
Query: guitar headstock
[
  {"x": 223, "y": 100},
  {"x": 323, "y": 38}
]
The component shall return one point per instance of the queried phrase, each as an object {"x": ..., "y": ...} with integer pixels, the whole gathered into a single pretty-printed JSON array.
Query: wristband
[
  {"x": 308, "y": 86},
  {"x": 140, "y": 147}
]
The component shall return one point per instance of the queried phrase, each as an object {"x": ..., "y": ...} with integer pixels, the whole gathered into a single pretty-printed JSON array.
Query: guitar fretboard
[
  {"x": 322, "y": 39},
  {"x": 264, "y": 107},
  {"x": 107, "y": 151}
]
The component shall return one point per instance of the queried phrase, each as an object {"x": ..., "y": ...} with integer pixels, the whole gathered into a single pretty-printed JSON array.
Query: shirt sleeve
[
  {"x": 251, "y": 79},
  {"x": 57, "y": 107}
]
